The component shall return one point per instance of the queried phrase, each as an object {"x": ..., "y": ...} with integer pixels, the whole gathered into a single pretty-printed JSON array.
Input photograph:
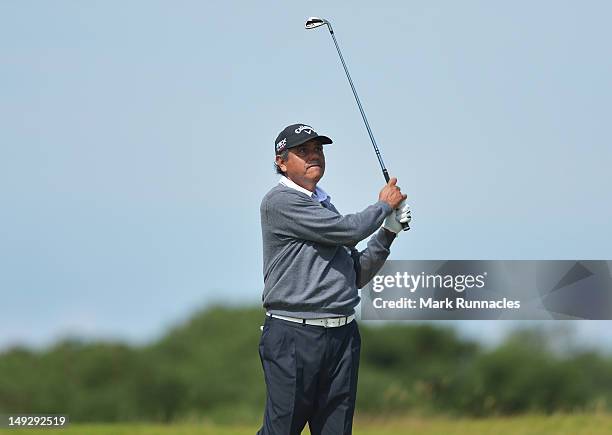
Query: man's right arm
[{"x": 294, "y": 215}]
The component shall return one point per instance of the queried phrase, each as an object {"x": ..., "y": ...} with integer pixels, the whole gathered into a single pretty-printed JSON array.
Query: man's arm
[
  {"x": 294, "y": 215},
  {"x": 369, "y": 261}
]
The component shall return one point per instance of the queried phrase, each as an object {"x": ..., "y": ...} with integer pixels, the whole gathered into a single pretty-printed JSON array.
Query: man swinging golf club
[{"x": 310, "y": 345}]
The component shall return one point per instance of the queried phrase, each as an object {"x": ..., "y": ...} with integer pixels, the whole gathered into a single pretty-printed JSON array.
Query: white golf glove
[{"x": 399, "y": 216}]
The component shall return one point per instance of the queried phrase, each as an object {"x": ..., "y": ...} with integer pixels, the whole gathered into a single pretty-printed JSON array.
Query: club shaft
[
  {"x": 363, "y": 115},
  {"x": 405, "y": 226}
]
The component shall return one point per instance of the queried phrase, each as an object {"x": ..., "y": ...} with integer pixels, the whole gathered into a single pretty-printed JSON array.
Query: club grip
[{"x": 405, "y": 226}]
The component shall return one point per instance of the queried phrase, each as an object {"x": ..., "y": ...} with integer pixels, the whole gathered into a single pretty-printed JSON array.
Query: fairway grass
[{"x": 580, "y": 424}]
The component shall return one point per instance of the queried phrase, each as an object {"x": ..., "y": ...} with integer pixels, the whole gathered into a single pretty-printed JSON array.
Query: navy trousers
[{"x": 311, "y": 377}]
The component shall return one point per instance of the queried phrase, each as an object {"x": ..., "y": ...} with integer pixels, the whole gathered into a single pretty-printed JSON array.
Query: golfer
[{"x": 310, "y": 343}]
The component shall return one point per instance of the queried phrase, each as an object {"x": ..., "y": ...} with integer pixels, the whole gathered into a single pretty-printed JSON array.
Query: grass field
[{"x": 592, "y": 424}]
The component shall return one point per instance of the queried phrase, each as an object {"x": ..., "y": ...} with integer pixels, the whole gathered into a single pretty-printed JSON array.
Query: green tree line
[{"x": 209, "y": 367}]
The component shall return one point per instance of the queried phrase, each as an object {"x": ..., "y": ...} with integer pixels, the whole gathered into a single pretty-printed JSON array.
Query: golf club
[{"x": 314, "y": 22}]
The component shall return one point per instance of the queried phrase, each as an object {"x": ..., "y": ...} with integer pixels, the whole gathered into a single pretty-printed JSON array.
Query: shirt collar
[{"x": 318, "y": 195}]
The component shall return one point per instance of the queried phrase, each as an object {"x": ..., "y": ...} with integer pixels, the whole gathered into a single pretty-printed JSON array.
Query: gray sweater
[{"x": 311, "y": 266}]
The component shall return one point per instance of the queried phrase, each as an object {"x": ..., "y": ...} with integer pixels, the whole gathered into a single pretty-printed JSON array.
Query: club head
[{"x": 313, "y": 22}]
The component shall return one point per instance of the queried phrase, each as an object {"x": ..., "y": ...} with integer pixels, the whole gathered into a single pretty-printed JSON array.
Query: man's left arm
[{"x": 369, "y": 261}]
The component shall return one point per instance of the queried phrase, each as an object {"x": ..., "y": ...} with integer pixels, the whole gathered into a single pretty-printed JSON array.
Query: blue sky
[{"x": 136, "y": 143}]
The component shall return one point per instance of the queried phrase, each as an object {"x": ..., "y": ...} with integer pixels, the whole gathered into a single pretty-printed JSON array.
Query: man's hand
[
  {"x": 391, "y": 194},
  {"x": 394, "y": 221}
]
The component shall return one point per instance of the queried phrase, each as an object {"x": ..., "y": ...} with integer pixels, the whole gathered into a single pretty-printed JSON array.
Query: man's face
[{"x": 305, "y": 164}]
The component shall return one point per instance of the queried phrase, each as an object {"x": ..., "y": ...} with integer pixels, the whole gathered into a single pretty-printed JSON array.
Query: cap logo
[
  {"x": 305, "y": 128},
  {"x": 281, "y": 145}
]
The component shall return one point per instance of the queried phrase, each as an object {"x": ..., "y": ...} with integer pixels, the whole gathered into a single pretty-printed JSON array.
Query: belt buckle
[{"x": 326, "y": 323}]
